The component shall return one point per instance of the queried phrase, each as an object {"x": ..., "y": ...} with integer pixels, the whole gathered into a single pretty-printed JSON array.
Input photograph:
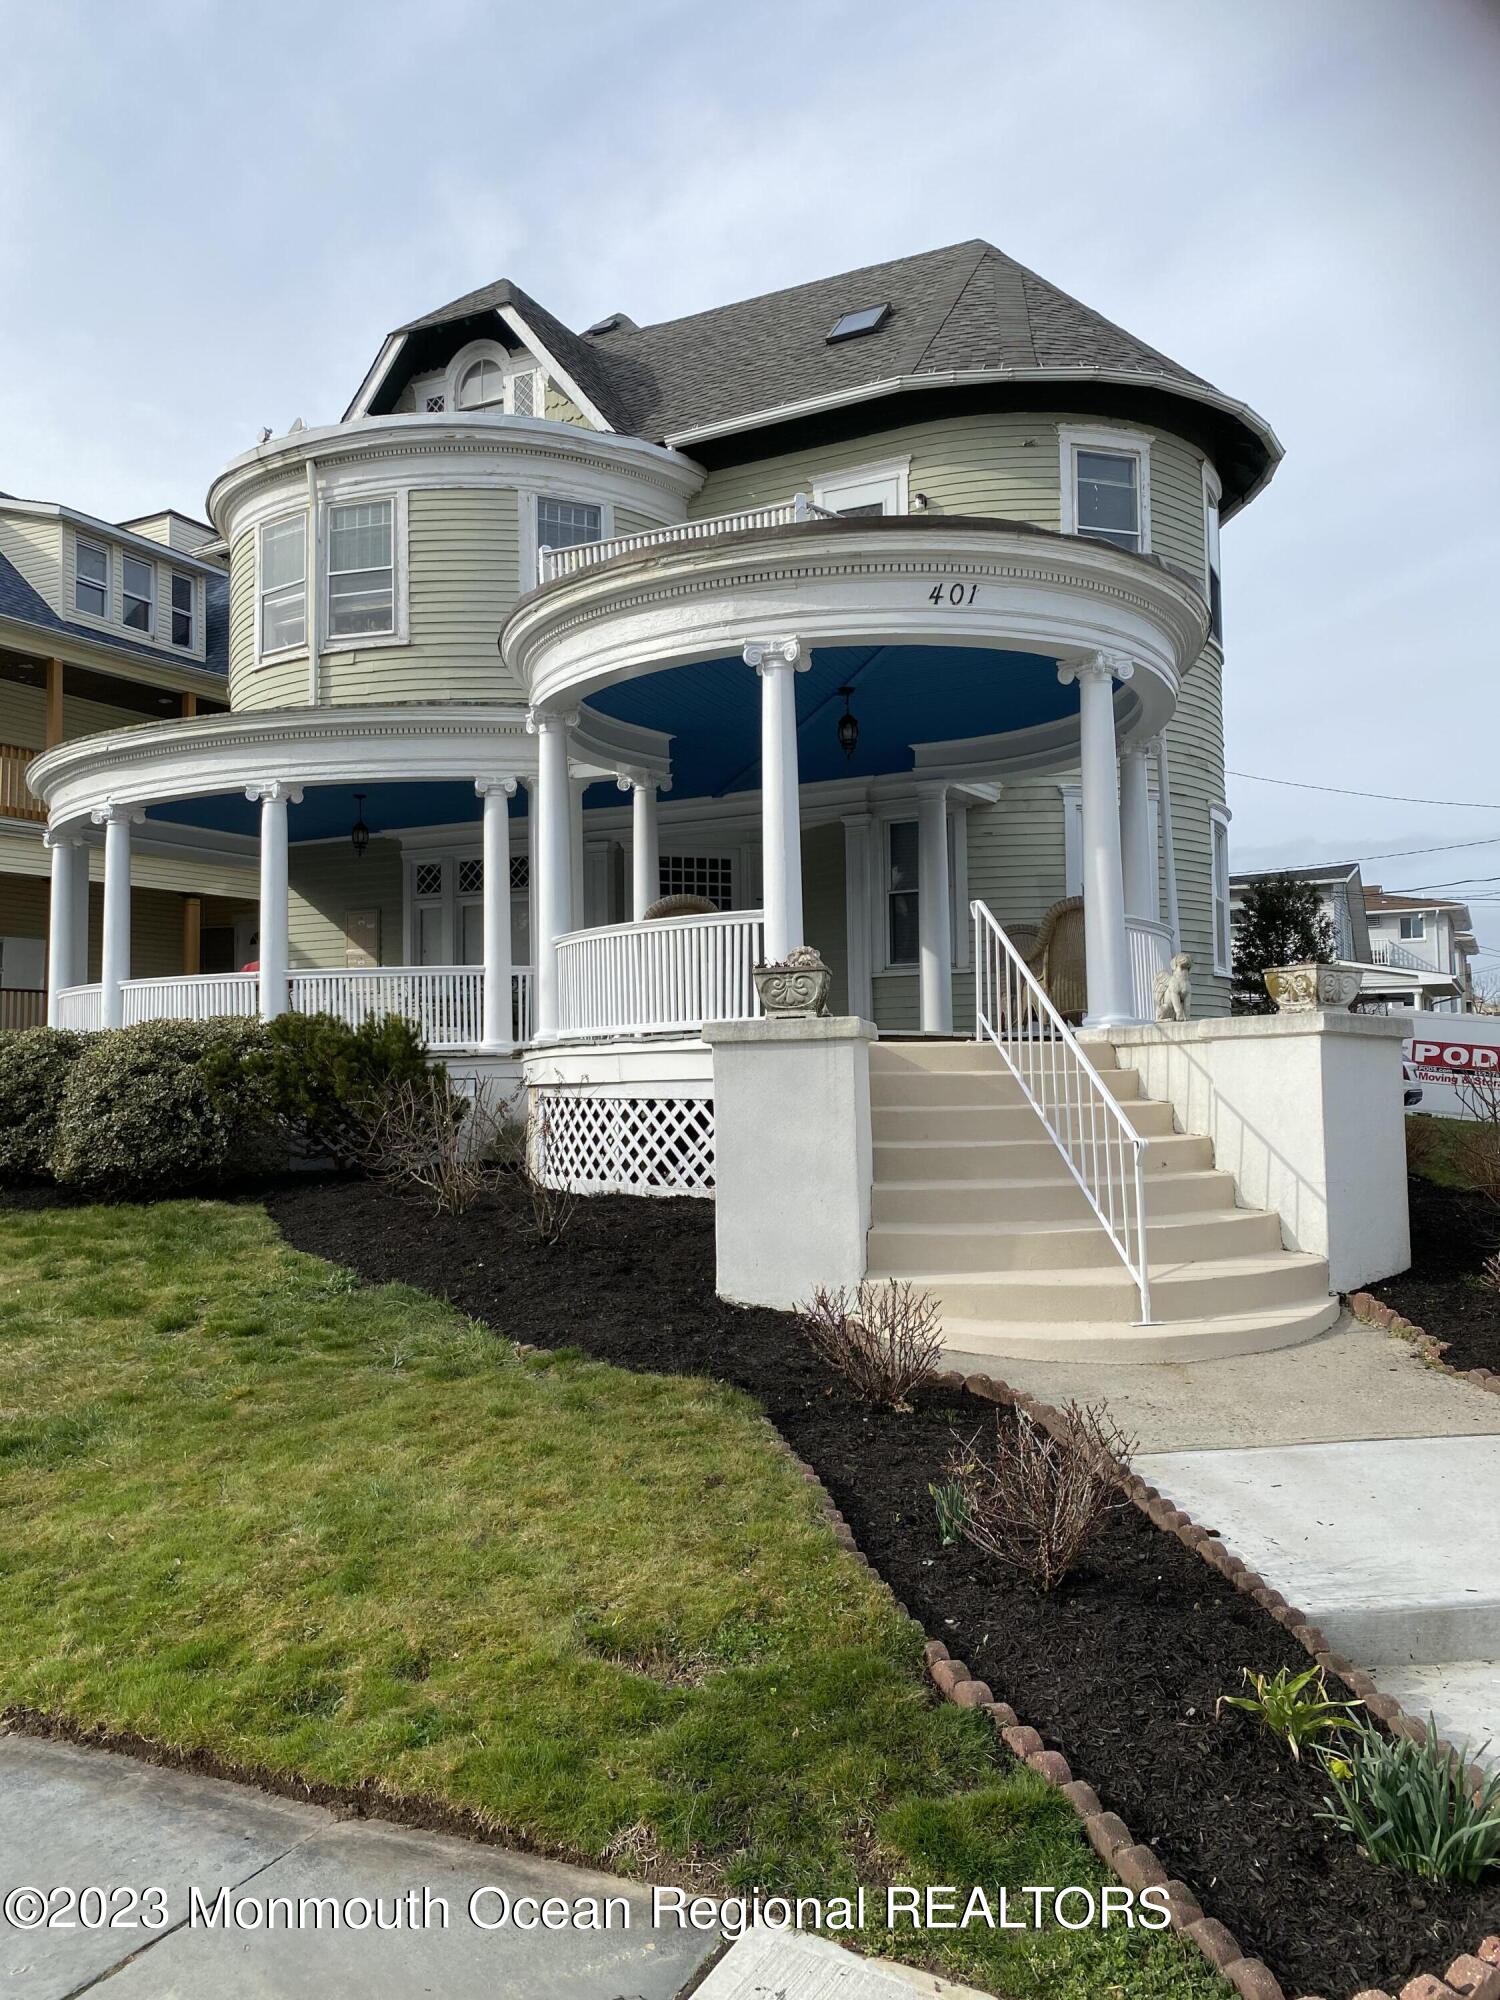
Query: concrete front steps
[{"x": 972, "y": 1202}]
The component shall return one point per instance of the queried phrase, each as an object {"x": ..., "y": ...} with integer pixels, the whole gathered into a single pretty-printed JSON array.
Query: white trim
[
  {"x": 100, "y": 618},
  {"x": 892, "y": 473},
  {"x": 194, "y": 611},
  {"x": 904, "y": 813},
  {"x": 1220, "y": 899},
  {"x": 357, "y": 642},
  {"x": 531, "y": 531},
  {"x": 1123, "y": 441},
  {"x": 1213, "y": 564},
  {"x": 95, "y": 529},
  {"x": 555, "y": 369},
  {"x": 148, "y": 630},
  {"x": 264, "y": 654}
]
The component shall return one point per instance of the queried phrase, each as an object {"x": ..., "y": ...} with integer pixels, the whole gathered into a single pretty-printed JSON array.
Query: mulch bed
[
  {"x": 1452, "y": 1232},
  {"x": 1120, "y": 1670}
]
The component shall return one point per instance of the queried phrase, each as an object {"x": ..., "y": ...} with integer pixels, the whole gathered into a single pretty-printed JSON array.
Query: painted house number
[{"x": 953, "y": 593}]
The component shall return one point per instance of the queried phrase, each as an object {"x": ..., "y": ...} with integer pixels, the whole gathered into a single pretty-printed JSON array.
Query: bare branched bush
[
  {"x": 551, "y": 1207},
  {"x": 419, "y": 1134},
  {"x": 885, "y": 1340},
  {"x": 1489, "y": 1274},
  {"x": 1477, "y": 1143},
  {"x": 1035, "y": 1499}
]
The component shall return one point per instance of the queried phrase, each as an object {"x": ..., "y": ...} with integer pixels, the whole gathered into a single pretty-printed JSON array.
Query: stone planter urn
[
  {"x": 799, "y": 985},
  {"x": 1305, "y": 988}
]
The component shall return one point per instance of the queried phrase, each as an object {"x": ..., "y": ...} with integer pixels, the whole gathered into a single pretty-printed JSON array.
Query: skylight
[{"x": 866, "y": 320}]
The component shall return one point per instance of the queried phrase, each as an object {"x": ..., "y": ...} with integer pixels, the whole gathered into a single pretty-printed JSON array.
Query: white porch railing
[
  {"x": 190, "y": 997},
  {"x": 664, "y": 977},
  {"x": 1150, "y": 945},
  {"x": 80, "y": 1008},
  {"x": 1098, "y": 1144},
  {"x": 1395, "y": 955},
  {"x": 445, "y": 1002},
  {"x": 554, "y": 563}
]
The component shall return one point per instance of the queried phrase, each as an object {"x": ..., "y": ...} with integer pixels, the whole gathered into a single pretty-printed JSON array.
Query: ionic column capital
[
  {"x": 54, "y": 838},
  {"x": 766, "y": 655},
  {"x": 114, "y": 814},
  {"x": 489, "y": 787},
  {"x": 269, "y": 791},
  {"x": 550, "y": 721},
  {"x": 629, "y": 779},
  {"x": 1096, "y": 667}
]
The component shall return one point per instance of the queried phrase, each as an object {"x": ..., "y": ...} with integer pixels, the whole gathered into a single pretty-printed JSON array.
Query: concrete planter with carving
[
  {"x": 797, "y": 986},
  {"x": 1305, "y": 988}
]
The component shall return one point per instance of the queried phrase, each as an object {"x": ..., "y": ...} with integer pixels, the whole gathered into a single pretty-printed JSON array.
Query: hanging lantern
[
  {"x": 359, "y": 833},
  {"x": 848, "y": 725}
]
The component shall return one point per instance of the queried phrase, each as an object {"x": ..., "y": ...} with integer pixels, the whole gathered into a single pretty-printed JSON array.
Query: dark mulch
[
  {"x": 1453, "y": 1230},
  {"x": 1120, "y": 1671}
]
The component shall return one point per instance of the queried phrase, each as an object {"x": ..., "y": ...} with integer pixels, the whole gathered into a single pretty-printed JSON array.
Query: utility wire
[{"x": 1344, "y": 792}]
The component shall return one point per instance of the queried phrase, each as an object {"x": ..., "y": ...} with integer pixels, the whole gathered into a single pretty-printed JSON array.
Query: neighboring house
[
  {"x": 841, "y": 610},
  {"x": 104, "y": 625},
  {"x": 1412, "y": 953}
]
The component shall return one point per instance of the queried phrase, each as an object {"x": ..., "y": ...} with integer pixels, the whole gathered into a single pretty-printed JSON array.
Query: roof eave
[{"x": 965, "y": 378}]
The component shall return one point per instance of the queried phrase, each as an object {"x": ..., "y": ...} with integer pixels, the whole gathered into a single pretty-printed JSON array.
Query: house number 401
[{"x": 953, "y": 593}]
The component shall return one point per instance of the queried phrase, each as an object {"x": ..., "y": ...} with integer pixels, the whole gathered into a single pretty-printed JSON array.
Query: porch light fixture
[
  {"x": 359, "y": 833},
  {"x": 848, "y": 724}
]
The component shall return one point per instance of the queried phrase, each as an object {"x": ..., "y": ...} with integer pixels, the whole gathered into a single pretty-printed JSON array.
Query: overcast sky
[{"x": 211, "y": 213}]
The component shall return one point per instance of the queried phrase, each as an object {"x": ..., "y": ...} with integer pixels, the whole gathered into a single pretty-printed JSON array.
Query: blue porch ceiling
[
  {"x": 327, "y": 811},
  {"x": 902, "y": 695}
]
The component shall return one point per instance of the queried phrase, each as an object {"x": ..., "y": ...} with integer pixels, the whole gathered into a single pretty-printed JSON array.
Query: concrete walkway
[
  {"x": 1362, "y": 1484},
  {"x": 78, "y": 1817}
]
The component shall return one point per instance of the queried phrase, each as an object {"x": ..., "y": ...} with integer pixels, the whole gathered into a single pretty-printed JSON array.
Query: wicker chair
[
  {"x": 1057, "y": 960},
  {"x": 679, "y": 906}
]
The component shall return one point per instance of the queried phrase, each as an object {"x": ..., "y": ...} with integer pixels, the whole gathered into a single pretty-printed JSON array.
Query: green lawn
[{"x": 249, "y": 1506}]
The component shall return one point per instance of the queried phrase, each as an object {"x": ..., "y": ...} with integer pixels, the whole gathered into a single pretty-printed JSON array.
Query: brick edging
[
  {"x": 1371, "y": 1311},
  {"x": 1473, "y": 1976}
]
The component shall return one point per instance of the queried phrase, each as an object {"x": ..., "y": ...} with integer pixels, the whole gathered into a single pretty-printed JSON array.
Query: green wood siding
[
  {"x": 629, "y": 522},
  {"x": 325, "y": 881},
  {"x": 561, "y": 409}
]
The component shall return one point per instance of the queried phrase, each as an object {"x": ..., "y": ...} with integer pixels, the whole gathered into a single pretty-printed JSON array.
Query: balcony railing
[
  {"x": 17, "y": 800},
  {"x": 1150, "y": 946},
  {"x": 555, "y": 563},
  {"x": 1398, "y": 956},
  {"x": 445, "y": 1002},
  {"x": 664, "y": 977}
]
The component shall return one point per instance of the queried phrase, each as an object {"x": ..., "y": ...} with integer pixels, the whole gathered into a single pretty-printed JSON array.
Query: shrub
[
  {"x": 1294, "y": 1707},
  {"x": 1037, "y": 1500},
  {"x": 423, "y": 1136},
  {"x": 528, "y": 1147},
  {"x": 34, "y": 1066},
  {"x": 885, "y": 1340},
  {"x": 167, "y": 1105},
  {"x": 328, "y": 1080},
  {"x": 1476, "y": 1150},
  {"x": 1413, "y": 1806}
]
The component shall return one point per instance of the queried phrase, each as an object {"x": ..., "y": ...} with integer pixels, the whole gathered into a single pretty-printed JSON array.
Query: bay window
[{"x": 283, "y": 583}]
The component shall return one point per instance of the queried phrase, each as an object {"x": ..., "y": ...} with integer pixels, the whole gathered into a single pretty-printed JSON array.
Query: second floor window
[
  {"x": 182, "y": 610},
  {"x": 91, "y": 585},
  {"x": 1108, "y": 504},
  {"x": 564, "y": 524},
  {"x": 1413, "y": 929},
  {"x": 361, "y": 569},
  {"x": 283, "y": 584},
  {"x": 140, "y": 593}
]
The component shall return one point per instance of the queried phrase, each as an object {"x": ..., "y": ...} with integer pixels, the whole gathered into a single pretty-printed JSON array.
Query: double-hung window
[
  {"x": 91, "y": 584},
  {"x": 1106, "y": 486},
  {"x": 564, "y": 524},
  {"x": 182, "y": 610},
  {"x": 139, "y": 594},
  {"x": 902, "y": 905},
  {"x": 1413, "y": 929},
  {"x": 1223, "y": 921},
  {"x": 283, "y": 583},
  {"x": 361, "y": 568}
]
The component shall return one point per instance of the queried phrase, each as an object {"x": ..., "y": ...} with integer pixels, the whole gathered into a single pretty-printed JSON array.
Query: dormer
[{"x": 482, "y": 375}]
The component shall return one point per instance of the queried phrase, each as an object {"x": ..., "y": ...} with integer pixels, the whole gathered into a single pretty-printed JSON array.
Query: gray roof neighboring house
[
  {"x": 19, "y": 601},
  {"x": 964, "y": 311}
]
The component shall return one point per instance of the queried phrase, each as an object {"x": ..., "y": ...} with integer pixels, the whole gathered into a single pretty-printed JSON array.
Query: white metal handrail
[
  {"x": 192, "y": 996},
  {"x": 1397, "y": 955},
  {"x": 555, "y": 563},
  {"x": 667, "y": 976},
  {"x": 1099, "y": 1146}
]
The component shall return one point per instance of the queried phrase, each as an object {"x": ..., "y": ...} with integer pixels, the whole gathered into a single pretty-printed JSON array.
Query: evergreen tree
[{"x": 1281, "y": 922}]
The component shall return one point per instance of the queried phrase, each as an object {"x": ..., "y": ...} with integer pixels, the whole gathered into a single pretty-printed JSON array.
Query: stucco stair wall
[{"x": 972, "y": 1201}]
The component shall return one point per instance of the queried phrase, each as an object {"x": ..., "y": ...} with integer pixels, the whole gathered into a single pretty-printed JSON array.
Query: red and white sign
[{"x": 1442, "y": 1051}]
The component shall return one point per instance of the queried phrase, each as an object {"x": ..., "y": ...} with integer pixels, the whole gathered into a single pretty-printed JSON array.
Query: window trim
[
  {"x": 1124, "y": 443},
  {"x": 531, "y": 529},
  {"x": 1213, "y": 565},
  {"x": 267, "y": 654},
  {"x": 882, "y": 966},
  {"x": 892, "y": 472},
  {"x": 128, "y": 596},
  {"x": 1220, "y": 900},
  {"x": 1418, "y": 936},
  {"x": 190, "y": 643},
  {"x": 100, "y": 548},
  {"x": 330, "y": 641},
  {"x": 511, "y": 363}
]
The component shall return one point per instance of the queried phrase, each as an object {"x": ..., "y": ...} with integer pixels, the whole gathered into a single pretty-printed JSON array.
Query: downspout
[{"x": 311, "y": 587}]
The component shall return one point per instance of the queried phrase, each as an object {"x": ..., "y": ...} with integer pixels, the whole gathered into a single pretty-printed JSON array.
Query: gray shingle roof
[{"x": 18, "y": 600}]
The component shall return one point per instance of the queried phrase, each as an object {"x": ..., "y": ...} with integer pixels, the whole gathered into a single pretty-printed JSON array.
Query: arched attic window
[{"x": 482, "y": 385}]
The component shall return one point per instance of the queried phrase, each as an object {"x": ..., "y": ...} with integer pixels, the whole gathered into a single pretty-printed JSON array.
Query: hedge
[{"x": 34, "y": 1066}]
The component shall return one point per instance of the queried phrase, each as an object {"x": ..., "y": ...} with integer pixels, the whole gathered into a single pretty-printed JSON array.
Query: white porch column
[
  {"x": 115, "y": 968},
  {"x": 498, "y": 1026},
  {"x": 551, "y": 859},
  {"x": 934, "y": 911},
  {"x": 645, "y": 849},
  {"x": 275, "y": 948},
  {"x": 1135, "y": 835},
  {"x": 1110, "y": 1000},
  {"x": 859, "y": 842},
  {"x": 578, "y": 894},
  {"x": 778, "y": 661},
  {"x": 1168, "y": 849},
  {"x": 70, "y": 880}
]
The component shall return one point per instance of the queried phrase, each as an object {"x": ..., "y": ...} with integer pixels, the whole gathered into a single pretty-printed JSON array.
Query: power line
[{"x": 1344, "y": 792}]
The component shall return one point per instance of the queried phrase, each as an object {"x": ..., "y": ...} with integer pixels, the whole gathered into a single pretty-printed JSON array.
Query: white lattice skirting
[{"x": 623, "y": 1145}]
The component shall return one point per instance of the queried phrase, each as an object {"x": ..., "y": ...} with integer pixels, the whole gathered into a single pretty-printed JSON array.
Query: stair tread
[
  {"x": 1003, "y": 1225},
  {"x": 1165, "y": 1181},
  {"x": 1204, "y": 1336},
  {"x": 1103, "y": 1275}
]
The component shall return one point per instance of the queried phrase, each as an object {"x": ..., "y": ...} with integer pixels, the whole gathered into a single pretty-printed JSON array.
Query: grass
[
  {"x": 253, "y": 1509},
  {"x": 1434, "y": 1149}
]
